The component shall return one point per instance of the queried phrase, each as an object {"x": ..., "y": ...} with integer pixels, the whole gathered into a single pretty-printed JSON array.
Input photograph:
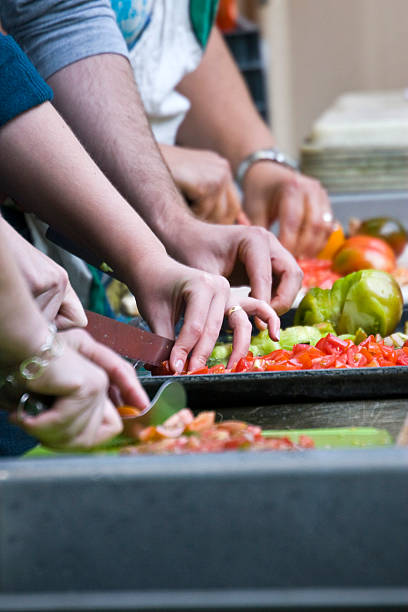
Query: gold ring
[{"x": 234, "y": 309}]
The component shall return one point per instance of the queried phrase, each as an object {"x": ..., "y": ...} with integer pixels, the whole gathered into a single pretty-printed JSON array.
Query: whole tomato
[
  {"x": 388, "y": 229},
  {"x": 363, "y": 252}
]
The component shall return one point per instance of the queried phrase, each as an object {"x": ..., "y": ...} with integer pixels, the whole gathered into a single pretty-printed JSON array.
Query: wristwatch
[{"x": 273, "y": 155}]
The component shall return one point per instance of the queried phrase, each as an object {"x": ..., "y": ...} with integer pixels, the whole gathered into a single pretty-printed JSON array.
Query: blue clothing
[
  {"x": 21, "y": 87},
  {"x": 133, "y": 17}
]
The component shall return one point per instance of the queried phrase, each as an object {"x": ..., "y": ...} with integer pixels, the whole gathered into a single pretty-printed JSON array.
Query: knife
[{"x": 132, "y": 342}]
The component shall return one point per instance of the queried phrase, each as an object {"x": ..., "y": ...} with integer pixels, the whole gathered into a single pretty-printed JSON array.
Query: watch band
[{"x": 273, "y": 155}]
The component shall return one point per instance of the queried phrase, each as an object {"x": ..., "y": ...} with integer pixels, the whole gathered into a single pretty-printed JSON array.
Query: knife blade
[{"x": 131, "y": 342}]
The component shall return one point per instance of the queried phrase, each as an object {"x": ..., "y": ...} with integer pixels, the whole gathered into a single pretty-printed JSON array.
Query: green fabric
[
  {"x": 202, "y": 16},
  {"x": 97, "y": 296}
]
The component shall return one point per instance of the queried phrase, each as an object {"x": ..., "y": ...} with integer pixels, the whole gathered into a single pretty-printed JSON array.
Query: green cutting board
[{"x": 337, "y": 437}]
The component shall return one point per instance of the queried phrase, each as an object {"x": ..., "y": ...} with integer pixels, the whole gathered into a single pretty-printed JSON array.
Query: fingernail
[{"x": 179, "y": 365}]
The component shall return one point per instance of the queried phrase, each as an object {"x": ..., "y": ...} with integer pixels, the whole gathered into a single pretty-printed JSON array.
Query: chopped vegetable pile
[
  {"x": 329, "y": 352},
  {"x": 374, "y": 243},
  {"x": 184, "y": 433}
]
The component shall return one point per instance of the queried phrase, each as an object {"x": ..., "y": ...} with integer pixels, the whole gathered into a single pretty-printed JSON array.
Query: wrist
[
  {"x": 180, "y": 237},
  {"x": 21, "y": 340},
  {"x": 264, "y": 156},
  {"x": 32, "y": 367}
]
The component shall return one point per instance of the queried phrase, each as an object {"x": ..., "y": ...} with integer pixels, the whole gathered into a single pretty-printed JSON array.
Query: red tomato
[
  {"x": 362, "y": 252},
  {"x": 317, "y": 273},
  {"x": 202, "y": 421}
]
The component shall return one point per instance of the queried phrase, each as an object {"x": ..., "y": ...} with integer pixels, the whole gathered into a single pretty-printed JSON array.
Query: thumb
[{"x": 71, "y": 312}]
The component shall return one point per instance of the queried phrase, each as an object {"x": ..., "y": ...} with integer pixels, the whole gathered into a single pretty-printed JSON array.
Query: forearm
[
  {"x": 69, "y": 191},
  {"x": 222, "y": 115},
  {"x": 111, "y": 123}
]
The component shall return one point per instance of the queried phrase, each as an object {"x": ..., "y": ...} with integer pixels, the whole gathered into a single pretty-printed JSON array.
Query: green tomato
[{"x": 367, "y": 299}]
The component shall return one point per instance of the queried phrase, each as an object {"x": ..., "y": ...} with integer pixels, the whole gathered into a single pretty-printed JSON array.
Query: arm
[
  {"x": 234, "y": 129},
  {"x": 163, "y": 287},
  {"x": 120, "y": 140},
  {"x": 98, "y": 97}
]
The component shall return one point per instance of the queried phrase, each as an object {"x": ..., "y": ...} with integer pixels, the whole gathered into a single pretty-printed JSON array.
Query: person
[
  {"x": 190, "y": 97},
  {"x": 78, "y": 47}
]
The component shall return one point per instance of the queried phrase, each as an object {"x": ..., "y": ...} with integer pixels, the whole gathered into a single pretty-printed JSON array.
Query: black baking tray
[{"x": 268, "y": 388}]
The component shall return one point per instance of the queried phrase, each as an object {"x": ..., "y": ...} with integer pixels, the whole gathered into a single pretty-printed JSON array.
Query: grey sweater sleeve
[{"x": 55, "y": 33}]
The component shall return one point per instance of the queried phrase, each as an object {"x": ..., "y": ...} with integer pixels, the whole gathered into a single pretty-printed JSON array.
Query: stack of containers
[{"x": 360, "y": 143}]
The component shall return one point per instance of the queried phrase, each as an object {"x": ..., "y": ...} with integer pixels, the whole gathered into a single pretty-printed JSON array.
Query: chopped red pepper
[{"x": 329, "y": 352}]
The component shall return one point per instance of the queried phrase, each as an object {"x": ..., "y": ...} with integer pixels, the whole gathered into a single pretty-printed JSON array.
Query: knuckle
[
  {"x": 212, "y": 328},
  {"x": 260, "y": 234},
  {"x": 223, "y": 285},
  {"x": 225, "y": 168},
  {"x": 246, "y": 325},
  {"x": 317, "y": 225},
  {"x": 265, "y": 278},
  {"x": 292, "y": 185},
  {"x": 207, "y": 280},
  {"x": 195, "y": 329},
  {"x": 100, "y": 380}
]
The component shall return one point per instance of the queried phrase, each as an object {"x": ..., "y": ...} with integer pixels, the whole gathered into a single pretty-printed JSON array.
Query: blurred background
[{"x": 315, "y": 50}]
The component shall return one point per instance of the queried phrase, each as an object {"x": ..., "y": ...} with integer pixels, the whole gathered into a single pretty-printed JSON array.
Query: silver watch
[{"x": 273, "y": 155}]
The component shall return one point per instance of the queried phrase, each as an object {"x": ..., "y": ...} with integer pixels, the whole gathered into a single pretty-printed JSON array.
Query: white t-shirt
[{"x": 166, "y": 51}]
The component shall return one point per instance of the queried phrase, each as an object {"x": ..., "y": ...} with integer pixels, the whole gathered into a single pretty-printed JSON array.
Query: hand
[
  {"x": 300, "y": 204},
  {"x": 246, "y": 256},
  {"x": 48, "y": 283},
  {"x": 170, "y": 289},
  {"x": 82, "y": 416},
  {"x": 206, "y": 181}
]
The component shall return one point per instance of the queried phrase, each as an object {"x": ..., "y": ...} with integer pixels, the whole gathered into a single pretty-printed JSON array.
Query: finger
[
  {"x": 258, "y": 267},
  {"x": 257, "y": 211},
  {"x": 291, "y": 217},
  {"x": 287, "y": 279},
  {"x": 265, "y": 312},
  {"x": 242, "y": 329},
  {"x": 195, "y": 317},
  {"x": 315, "y": 229},
  {"x": 109, "y": 425},
  {"x": 120, "y": 373},
  {"x": 210, "y": 206},
  {"x": 222, "y": 212},
  {"x": 205, "y": 345},
  {"x": 234, "y": 208},
  {"x": 242, "y": 218},
  {"x": 71, "y": 312}
]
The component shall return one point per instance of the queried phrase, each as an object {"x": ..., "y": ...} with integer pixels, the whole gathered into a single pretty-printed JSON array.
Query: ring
[
  {"x": 327, "y": 217},
  {"x": 234, "y": 309}
]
